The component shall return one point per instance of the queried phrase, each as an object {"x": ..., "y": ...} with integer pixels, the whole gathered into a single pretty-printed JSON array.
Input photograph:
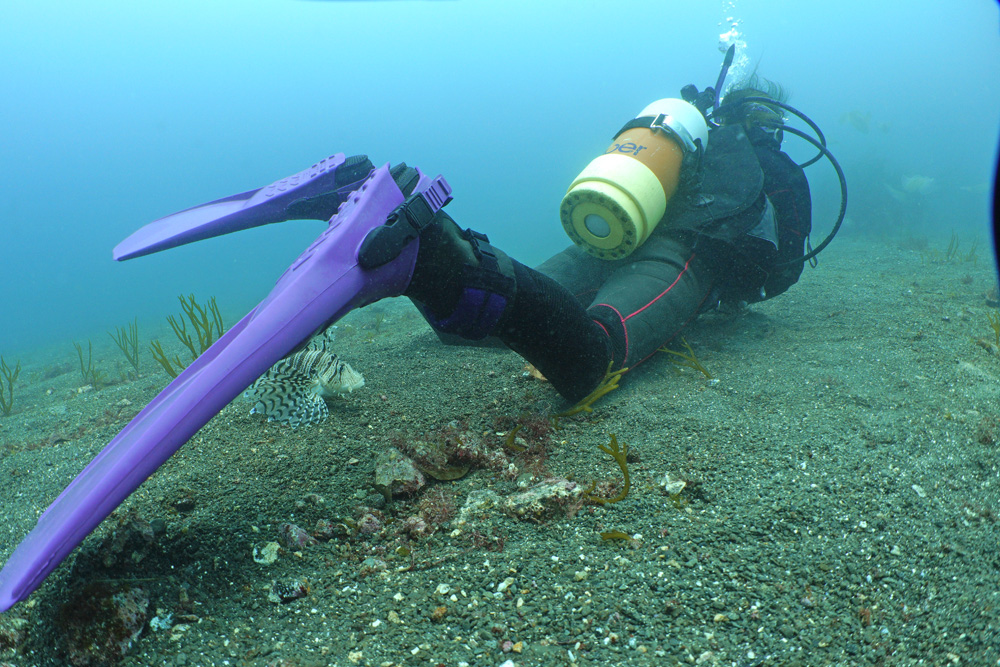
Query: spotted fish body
[{"x": 294, "y": 390}]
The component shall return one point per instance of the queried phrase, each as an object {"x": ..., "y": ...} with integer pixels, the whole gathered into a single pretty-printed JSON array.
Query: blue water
[{"x": 115, "y": 113}]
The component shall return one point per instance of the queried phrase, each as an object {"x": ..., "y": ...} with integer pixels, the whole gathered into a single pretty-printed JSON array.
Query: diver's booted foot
[
  {"x": 460, "y": 283},
  {"x": 445, "y": 254},
  {"x": 465, "y": 286}
]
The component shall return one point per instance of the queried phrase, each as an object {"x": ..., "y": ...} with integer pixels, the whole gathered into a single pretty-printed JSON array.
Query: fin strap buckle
[{"x": 383, "y": 244}]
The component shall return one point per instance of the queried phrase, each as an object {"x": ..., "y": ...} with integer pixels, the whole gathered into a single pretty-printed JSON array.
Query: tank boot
[{"x": 465, "y": 286}]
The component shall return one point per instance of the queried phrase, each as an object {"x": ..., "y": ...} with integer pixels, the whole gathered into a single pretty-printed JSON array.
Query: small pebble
[{"x": 267, "y": 554}]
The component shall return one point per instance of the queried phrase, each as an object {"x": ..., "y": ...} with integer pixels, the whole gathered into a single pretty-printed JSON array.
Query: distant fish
[
  {"x": 860, "y": 121},
  {"x": 917, "y": 184},
  {"x": 898, "y": 195},
  {"x": 294, "y": 390},
  {"x": 909, "y": 187}
]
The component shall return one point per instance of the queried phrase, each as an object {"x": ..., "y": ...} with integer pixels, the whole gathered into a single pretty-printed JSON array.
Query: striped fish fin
[
  {"x": 335, "y": 376},
  {"x": 286, "y": 395}
]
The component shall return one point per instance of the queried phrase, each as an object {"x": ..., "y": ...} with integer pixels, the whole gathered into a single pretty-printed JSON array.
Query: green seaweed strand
[
  {"x": 161, "y": 358},
  {"x": 127, "y": 340},
  {"x": 619, "y": 454},
  {"x": 90, "y": 375},
  {"x": 995, "y": 325},
  {"x": 180, "y": 330},
  {"x": 206, "y": 321},
  {"x": 608, "y": 384},
  {"x": 687, "y": 359},
  {"x": 952, "y": 252},
  {"x": 509, "y": 440},
  {"x": 7, "y": 403}
]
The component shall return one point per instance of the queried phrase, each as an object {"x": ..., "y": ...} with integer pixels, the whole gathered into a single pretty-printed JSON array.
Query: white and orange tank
[{"x": 613, "y": 206}]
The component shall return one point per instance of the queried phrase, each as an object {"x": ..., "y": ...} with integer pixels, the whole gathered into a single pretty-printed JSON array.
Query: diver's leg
[
  {"x": 551, "y": 329},
  {"x": 579, "y": 272},
  {"x": 651, "y": 296},
  {"x": 465, "y": 286}
]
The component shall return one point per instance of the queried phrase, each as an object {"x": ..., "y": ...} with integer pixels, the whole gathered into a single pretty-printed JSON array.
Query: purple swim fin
[
  {"x": 322, "y": 285},
  {"x": 312, "y": 194}
]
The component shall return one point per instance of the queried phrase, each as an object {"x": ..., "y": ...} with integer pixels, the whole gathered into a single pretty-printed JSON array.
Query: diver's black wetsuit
[
  {"x": 694, "y": 260},
  {"x": 746, "y": 210}
]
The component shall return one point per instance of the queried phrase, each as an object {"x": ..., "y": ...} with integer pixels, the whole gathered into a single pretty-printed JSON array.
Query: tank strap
[{"x": 662, "y": 123}]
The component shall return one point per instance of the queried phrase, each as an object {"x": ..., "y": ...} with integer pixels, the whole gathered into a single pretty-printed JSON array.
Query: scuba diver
[
  {"x": 694, "y": 204},
  {"x": 733, "y": 214}
]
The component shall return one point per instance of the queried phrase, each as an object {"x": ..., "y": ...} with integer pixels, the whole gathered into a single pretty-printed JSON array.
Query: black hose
[
  {"x": 823, "y": 152},
  {"x": 781, "y": 105}
]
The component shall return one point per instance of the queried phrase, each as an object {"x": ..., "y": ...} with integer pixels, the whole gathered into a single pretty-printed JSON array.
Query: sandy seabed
[{"x": 840, "y": 506}]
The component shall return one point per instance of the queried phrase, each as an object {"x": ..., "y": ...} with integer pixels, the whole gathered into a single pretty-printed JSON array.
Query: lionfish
[{"x": 294, "y": 390}]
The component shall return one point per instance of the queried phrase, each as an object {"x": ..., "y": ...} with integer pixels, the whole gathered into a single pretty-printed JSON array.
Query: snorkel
[{"x": 726, "y": 63}]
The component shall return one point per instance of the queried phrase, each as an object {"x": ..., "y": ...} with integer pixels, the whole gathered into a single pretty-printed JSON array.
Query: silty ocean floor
[{"x": 839, "y": 507}]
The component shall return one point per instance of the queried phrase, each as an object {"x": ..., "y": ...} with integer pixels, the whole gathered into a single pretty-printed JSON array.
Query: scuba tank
[{"x": 614, "y": 204}]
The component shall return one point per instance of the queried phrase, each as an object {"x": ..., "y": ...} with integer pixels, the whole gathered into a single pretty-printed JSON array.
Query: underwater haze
[
  {"x": 117, "y": 113},
  {"x": 812, "y": 479}
]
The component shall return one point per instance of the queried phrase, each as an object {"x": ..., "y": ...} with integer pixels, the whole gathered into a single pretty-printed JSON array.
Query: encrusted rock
[
  {"x": 369, "y": 523},
  {"x": 416, "y": 527},
  {"x": 101, "y": 624},
  {"x": 477, "y": 505},
  {"x": 397, "y": 475},
  {"x": 372, "y": 565},
  {"x": 549, "y": 498},
  {"x": 327, "y": 529},
  {"x": 295, "y": 537},
  {"x": 266, "y": 554},
  {"x": 129, "y": 542},
  {"x": 673, "y": 484}
]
